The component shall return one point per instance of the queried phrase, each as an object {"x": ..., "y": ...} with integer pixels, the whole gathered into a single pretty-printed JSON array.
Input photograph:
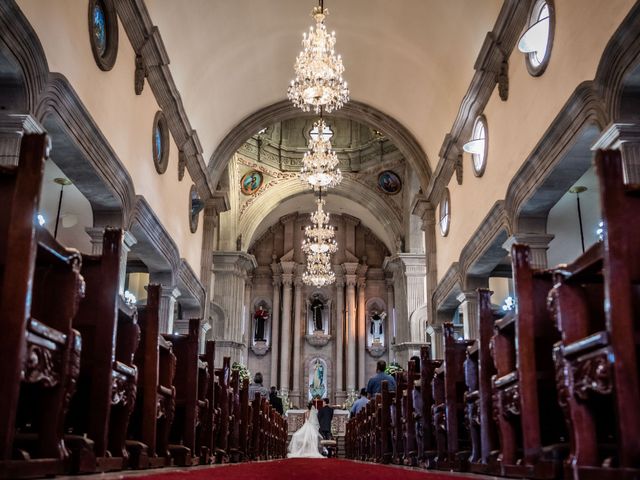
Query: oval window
[
  {"x": 103, "y": 33},
  {"x": 160, "y": 142},
  {"x": 444, "y": 213},
  {"x": 537, "y": 40}
]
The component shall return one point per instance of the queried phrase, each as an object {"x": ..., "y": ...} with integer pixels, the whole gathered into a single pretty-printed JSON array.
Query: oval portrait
[
  {"x": 389, "y": 182},
  {"x": 251, "y": 182}
]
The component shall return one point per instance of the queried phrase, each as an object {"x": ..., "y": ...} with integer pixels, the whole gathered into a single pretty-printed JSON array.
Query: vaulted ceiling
[{"x": 411, "y": 59}]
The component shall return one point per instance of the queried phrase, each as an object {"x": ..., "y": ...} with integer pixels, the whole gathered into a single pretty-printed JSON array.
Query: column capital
[
  {"x": 467, "y": 296},
  {"x": 169, "y": 291},
  {"x": 626, "y": 138},
  {"x": 12, "y": 127},
  {"x": 534, "y": 240},
  {"x": 340, "y": 281}
]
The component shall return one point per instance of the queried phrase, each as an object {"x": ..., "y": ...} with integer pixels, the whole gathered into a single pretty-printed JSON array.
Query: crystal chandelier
[
  {"x": 318, "y": 246},
  {"x": 320, "y": 163},
  {"x": 318, "y": 83},
  {"x": 319, "y": 271}
]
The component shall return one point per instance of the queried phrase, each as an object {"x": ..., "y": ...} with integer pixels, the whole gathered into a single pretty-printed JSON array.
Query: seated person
[{"x": 359, "y": 403}]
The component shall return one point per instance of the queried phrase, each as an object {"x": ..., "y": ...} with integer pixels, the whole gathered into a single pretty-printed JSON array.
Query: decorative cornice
[
  {"x": 155, "y": 246},
  {"x": 190, "y": 286},
  {"x": 448, "y": 288},
  {"x": 496, "y": 48},
  {"x": 147, "y": 42},
  {"x": 60, "y": 102},
  {"x": 18, "y": 39}
]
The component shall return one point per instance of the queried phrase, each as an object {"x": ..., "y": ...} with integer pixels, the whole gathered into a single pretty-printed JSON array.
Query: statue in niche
[
  {"x": 376, "y": 326},
  {"x": 317, "y": 386},
  {"x": 316, "y": 308},
  {"x": 260, "y": 318}
]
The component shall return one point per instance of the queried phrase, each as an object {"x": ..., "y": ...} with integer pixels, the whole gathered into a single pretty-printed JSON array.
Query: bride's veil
[{"x": 313, "y": 418}]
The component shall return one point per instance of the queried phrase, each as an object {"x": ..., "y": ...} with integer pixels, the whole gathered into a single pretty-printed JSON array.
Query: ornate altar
[{"x": 295, "y": 420}]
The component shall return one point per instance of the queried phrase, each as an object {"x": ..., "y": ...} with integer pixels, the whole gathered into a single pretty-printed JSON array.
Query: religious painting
[
  {"x": 389, "y": 182},
  {"x": 251, "y": 182}
]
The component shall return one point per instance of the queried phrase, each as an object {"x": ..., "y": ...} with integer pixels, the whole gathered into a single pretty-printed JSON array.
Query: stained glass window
[
  {"x": 157, "y": 142},
  {"x": 99, "y": 28}
]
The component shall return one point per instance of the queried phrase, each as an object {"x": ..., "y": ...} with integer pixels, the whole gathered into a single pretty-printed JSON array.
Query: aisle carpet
[{"x": 302, "y": 469}]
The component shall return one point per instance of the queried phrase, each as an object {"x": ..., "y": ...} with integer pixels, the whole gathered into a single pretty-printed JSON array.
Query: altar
[{"x": 295, "y": 420}]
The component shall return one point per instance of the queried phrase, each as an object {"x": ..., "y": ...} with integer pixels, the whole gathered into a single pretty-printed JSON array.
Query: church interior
[{"x": 431, "y": 201}]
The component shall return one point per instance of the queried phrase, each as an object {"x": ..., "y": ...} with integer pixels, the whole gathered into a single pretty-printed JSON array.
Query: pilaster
[{"x": 538, "y": 243}]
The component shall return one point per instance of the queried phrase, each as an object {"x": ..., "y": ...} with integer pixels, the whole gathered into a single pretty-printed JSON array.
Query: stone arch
[
  {"x": 218, "y": 320},
  {"x": 389, "y": 221},
  {"x": 353, "y": 110}
]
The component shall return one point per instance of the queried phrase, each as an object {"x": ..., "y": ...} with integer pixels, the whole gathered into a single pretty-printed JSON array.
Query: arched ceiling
[{"x": 411, "y": 59}]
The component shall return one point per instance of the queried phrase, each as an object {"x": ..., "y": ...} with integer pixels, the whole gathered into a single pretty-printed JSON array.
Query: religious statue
[
  {"x": 316, "y": 308},
  {"x": 376, "y": 326},
  {"x": 317, "y": 387},
  {"x": 260, "y": 318}
]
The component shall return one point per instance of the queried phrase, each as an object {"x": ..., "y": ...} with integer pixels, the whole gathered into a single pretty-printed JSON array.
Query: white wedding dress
[{"x": 305, "y": 443}]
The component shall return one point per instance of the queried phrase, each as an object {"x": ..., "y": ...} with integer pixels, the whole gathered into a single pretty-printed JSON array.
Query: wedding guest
[
  {"x": 375, "y": 383},
  {"x": 276, "y": 401},
  {"x": 359, "y": 403},
  {"x": 257, "y": 387}
]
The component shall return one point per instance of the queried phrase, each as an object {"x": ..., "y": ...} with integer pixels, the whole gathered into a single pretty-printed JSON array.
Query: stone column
[
  {"x": 285, "y": 354},
  {"x": 275, "y": 324},
  {"x": 538, "y": 243},
  {"x": 12, "y": 127},
  {"x": 389, "y": 338},
  {"x": 247, "y": 326},
  {"x": 297, "y": 334},
  {"x": 340, "y": 393},
  {"x": 351, "y": 279},
  {"x": 231, "y": 272},
  {"x": 362, "y": 329},
  {"x": 469, "y": 306},
  {"x": 626, "y": 138},
  {"x": 168, "y": 297}
]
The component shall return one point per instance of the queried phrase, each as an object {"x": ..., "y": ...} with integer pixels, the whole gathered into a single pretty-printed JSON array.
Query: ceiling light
[{"x": 318, "y": 83}]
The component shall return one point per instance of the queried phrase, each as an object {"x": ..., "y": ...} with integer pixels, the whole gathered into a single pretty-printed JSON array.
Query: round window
[
  {"x": 444, "y": 213},
  {"x": 537, "y": 40},
  {"x": 103, "y": 33},
  {"x": 195, "y": 206},
  {"x": 160, "y": 142},
  {"x": 478, "y": 146}
]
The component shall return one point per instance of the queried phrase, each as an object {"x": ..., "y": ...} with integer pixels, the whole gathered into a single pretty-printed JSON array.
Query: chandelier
[
  {"x": 319, "y": 271},
  {"x": 318, "y": 246},
  {"x": 320, "y": 163},
  {"x": 318, "y": 83}
]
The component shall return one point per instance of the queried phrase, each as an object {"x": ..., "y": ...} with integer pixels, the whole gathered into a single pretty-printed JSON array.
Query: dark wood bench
[
  {"x": 150, "y": 424},
  {"x": 595, "y": 303},
  {"x": 182, "y": 438},
  {"x": 426, "y": 432},
  {"x": 41, "y": 287},
  {"x": 530, "y": 423},
  {"x": 452, "y": 440},
  {"x": 108, "y": 377},
  {"x": 479, "y": 370},
  {"x": 209, "y": 414},
  {"x": 223, "y": 399}
]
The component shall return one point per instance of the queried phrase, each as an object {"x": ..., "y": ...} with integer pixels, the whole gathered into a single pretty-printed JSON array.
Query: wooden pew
[
  {"x": 223, "y": 398},
  {"x": 234, "y": 412},
  {"x": 207, "y": 432},
  {"x": 530, "y": 422},
  {"x": 448, "y": 391},
  {"x": 182, "y": 437},
  {"x": 426, "y": 437},
  {"x": 107, "y": 381},
  {"x": 479, "y": 370},
  {"x": 39, "y": 351},
  {"x": 155, "y": 404},
  {"x": 410, "y": 419},
  {"x": 244, "y": 421},
  {"x": 596, "y": 359},
  {"x": 256, "y": 422},
  {"x": 399, "y": 413},
  {"x": 385, "y": 423}
]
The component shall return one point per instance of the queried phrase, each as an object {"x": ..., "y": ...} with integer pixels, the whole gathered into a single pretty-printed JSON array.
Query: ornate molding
[
  {"x": 193, "y": 293},
  {"x": 445, "y": 293},
  {"x": 147, "y": 42}
]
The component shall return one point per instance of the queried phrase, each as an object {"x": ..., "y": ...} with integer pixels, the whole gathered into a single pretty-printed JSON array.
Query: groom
[{"x": 325, "y": 415}]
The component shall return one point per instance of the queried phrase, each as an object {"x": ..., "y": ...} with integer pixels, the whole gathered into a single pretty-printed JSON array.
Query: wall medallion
[
  {"x": 389, "y": 182},
  {"x": 103, "y": 33},
  {"x": 251, "y": 182}
]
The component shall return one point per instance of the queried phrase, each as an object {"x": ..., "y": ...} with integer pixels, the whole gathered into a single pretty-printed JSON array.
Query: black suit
[
  {"x": 276, "y": 402},
  {"x": 325, "y": 415}
]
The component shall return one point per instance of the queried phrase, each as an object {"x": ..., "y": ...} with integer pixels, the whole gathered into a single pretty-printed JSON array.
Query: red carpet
[{"x": 301, "y": 469}]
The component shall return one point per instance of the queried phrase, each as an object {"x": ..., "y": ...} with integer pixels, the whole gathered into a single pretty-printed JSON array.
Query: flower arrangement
[
  {"x": 243, "y": 371},
  {"x": 392, "y": 368}
]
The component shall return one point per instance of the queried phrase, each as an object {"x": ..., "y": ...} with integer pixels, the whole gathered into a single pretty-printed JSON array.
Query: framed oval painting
[
  {"x": 389, "y": 182},
  {"x": 251, "y": 182}
]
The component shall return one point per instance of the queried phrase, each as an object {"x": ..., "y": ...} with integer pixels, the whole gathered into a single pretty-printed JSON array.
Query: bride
[{"x": 305, "y": 443}]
